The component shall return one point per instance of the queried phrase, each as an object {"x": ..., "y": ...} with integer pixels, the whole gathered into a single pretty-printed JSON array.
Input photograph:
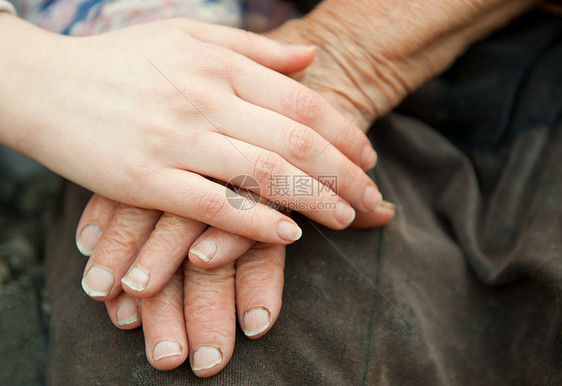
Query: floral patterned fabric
[{"x": 89, "y": 17}]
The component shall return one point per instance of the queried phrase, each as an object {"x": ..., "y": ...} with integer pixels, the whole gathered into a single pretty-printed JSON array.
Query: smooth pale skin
[{"x": 141, "y": 114}]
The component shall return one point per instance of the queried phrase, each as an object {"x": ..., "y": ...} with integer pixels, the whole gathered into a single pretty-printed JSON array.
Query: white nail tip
[
  {"x": 82, "y": 249},
  {"x": 91, "y": 292},
  {"x": 200, "y": 255},
  {"x": 259, "y": 319},
  {"x": 165, "y": 349},
  {"x": 129, "y": 320},
  {"x": 136, "y": 279},
  {"x": 256, "y": 332},
  {"x": 205, "y": 250},
  {"x": 206, "y": 357},
  {"x": 132, "y": 285}
]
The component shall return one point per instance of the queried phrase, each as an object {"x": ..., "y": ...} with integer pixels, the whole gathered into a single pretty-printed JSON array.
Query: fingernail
[
  {"x": 88, "y": 239},
  {"x": 388, "y": 205},
  {"x": 165, "y": 349},
  {"x": 127, "y": 313},
  {"x": 371, "y": 198},
  {"x": 136, "y": 279},
  {"x": 345, "y": 214},
  {"x": 289, "y": 231},
  {"x": 206, "y": 357},
  {"x": 301, "y": 47},
  {"x": 205, "y": 250},
  {"x": 368, "y": 158},
  {"x": 98, "y": 281},
  {"x": 256, "y": 321}
]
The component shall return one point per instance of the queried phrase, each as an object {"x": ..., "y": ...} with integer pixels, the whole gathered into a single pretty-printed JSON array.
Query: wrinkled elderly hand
[
  {"x": 183, "y": 312},
  {"x": 373, "y": 53},
  {"x": 148, "y": 246}
]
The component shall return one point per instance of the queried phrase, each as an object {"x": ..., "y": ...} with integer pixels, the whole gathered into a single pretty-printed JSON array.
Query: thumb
[
  {"x": 279, "y": 57},
  {"x": 377, "y": 218}
]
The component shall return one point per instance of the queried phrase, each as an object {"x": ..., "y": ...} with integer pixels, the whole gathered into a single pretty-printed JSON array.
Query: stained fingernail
[
  {"x": 88, "y": 239},
  {"x": 166, "y": 349},
  {"x": 127, "y": 313},
  {"x": 289, "y": 231},
  {"x": 368, "y": 157},
  {"x": 98, "y": 281},
  {"x": 206, "y": 357},
  {"x": 136, "y": 279},
  {"x": 205, "y": 250},
  {"x": 371, "y": 198},
  {"x": 388, "y": 205},
  {"x": 345, "y": 214},
  {"x": 256, "y": 321}
]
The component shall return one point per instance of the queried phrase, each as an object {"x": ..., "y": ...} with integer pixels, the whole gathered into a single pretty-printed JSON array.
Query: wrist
[
  {"x": 24, "y": 53},
  {"x": 384, "y": 50}
]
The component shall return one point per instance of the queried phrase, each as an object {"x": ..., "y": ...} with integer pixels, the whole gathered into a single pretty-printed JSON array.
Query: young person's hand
[{"x": 144, "y": 114}]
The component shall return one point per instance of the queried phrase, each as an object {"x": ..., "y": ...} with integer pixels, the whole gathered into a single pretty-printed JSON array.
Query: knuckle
[
  {"x": 171, "y": 233},
  {"x": 201, "y": 101},
  {"x": 207, "y": 312},
  {"x": 307, "y": 105},
  {"x": 166, "y": 238},
  {"x": 351, "y": 176},
  {"x": 120, "y": 243},
  {"x": 301, "y": 142},
  {"x": 217, "y": 61},
  {"x": 211, "y": 205},
  {"x": 266, "y": 165},
  {"x": 164, "y": 306},
  {"x": 354, "y": 141}
]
